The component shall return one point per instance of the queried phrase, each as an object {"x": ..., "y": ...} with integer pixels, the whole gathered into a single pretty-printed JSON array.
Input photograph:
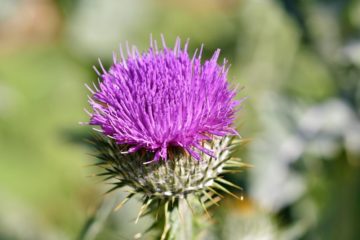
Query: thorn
[
  {"x": 204, "y": 207},
  {"x": 218, "y": 186},
  {"x": 229, "y": 183},
  {"x": 121, "y": 204},
  {"x": 142, "y": 209},
  {"x": 215, "y": 192},
  {"x": 210, "y": 198},
  {"x": 217, "y": 199}
]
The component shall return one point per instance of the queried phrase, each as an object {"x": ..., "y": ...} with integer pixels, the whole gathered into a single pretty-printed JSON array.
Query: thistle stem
[
  {"x": 185, "y": 220},
  {"x": 178, "y": 221}
]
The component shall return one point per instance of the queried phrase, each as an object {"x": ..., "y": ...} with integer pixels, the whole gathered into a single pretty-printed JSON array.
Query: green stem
[
  {"x": 179, "y": 221},
  {"x": 186, "y": 221}
]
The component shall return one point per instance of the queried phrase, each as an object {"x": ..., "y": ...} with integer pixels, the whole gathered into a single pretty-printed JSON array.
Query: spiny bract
[
  {"x": 162, "y": 99},
  {"x": 175, "y": 178},
  {"x": 171, "y": 181}
]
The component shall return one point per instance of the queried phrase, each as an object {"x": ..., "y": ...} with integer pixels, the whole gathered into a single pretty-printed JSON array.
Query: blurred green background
[{"x": 299, "y": 62}]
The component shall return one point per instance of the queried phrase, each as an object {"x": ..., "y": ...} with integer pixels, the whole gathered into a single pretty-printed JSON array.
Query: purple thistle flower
[{"x": 164, "y": 98}]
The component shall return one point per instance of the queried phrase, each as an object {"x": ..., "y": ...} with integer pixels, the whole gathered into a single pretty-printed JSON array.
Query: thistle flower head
[
  {"x": 164, "y": 99},
  {"x": 165, "y": 104}
]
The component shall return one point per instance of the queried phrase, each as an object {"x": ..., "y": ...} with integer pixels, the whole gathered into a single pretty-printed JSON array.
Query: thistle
[{"x": 165, "y": 122}]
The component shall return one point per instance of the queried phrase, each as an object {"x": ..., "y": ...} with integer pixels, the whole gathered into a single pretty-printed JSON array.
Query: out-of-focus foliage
[{"x": 298, "y": 60}]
